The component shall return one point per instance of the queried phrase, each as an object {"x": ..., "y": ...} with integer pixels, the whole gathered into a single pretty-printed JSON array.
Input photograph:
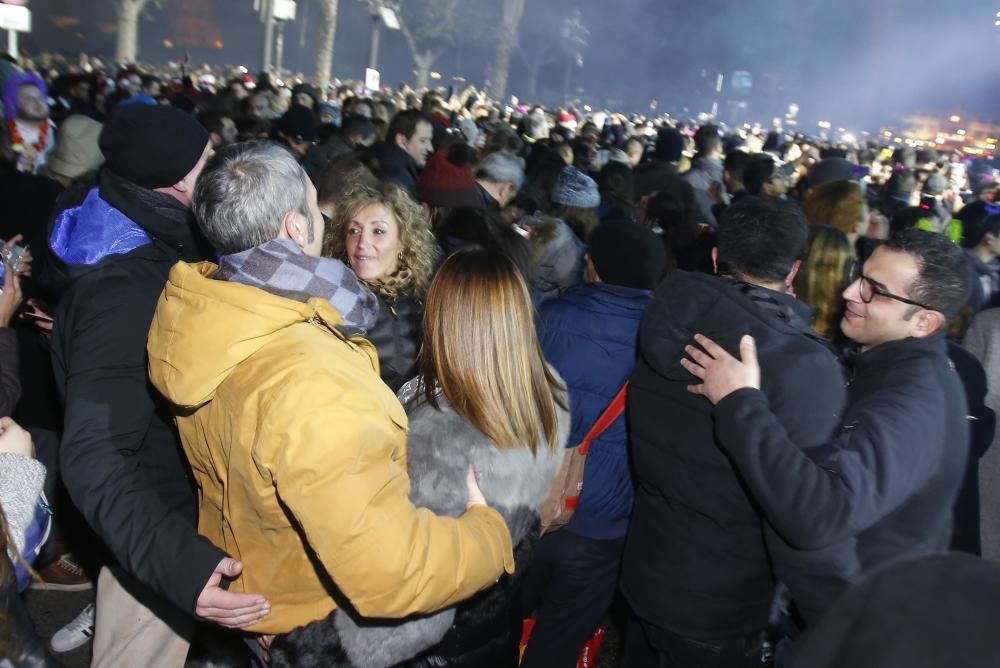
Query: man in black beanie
[
  {"x": 589, "y": 335},
  {"x": 120, "y": 454},
  {"x": 663, "y": 161}
]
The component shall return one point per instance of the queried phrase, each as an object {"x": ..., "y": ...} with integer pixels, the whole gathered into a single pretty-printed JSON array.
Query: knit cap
[{"x": 574, "y": 188}]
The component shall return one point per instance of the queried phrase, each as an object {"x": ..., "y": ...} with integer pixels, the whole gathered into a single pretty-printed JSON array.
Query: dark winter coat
[
  {"x": 120, "y": 453},
  {"x": 477, "y": 633},
  {"x": 649, "y": 176},
  {"x": 884, "y": 487},
  {"x": 589, "y": 336},
  {"x": 397, "y": 335},
  {"x": 982, "y": 425},
  {"x": 396, "y": 166},
  {"x": 696, "y": 563}
]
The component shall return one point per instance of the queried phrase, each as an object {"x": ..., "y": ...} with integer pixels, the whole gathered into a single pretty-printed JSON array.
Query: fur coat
[{"x": 442, "y": 445}]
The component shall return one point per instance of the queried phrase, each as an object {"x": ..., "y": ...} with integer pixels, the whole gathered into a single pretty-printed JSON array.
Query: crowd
[{"x": 369, "y": 378}]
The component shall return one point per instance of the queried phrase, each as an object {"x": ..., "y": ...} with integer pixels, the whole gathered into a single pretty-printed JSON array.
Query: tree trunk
[
  {"x": 424, "y": 62},
  {"x": 128, "y": 29},
  {"x": 327, "y": 33},
  {"x": 534, "y": 70},
  {"x": 512, "y": 11}
]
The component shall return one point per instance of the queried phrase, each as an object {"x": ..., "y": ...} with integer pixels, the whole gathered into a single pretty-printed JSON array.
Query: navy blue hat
[
  {"x": 627, "y": 254},
  {"x": 574, "y": 188},
  {"x": 669, "y": 145},
  {"x": 152, "y": 146}
]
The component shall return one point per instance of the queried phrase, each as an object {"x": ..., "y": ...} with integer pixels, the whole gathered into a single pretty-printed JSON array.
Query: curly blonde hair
[{"x": 420, "y": 250}]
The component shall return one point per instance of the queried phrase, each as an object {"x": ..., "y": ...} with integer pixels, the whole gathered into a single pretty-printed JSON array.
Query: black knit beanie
[
  {"x": 627, "y": 254},
  {"x": 152, "y": 146}
]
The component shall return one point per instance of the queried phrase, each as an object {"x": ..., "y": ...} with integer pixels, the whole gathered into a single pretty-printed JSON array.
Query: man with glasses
[{"x": 884, "y": 486}]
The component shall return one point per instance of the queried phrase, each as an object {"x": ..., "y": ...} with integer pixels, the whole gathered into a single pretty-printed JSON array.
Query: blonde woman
[
  {"x": 484, "y": 398},
  {"x": 385, "y": 238}
]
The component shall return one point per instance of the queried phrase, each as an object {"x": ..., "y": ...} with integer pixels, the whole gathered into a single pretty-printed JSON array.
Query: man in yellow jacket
[{"x": 298, "y": 448}]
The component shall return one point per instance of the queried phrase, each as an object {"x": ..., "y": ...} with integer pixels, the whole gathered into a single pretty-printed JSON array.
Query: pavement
[{"x": 51, "y": 610}]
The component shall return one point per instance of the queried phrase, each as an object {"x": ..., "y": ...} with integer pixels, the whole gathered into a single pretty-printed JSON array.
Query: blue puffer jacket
[{"x": 589, "y": 336}]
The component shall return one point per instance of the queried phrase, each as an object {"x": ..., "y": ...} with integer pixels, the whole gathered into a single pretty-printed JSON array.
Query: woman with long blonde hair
[
  {"x": 484, "y": 401},
  {"x": 384, "y": 236},
  {"x": 826, "y": 272}
]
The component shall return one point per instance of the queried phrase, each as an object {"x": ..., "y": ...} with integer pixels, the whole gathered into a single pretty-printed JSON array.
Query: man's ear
[
  {"x": 927, "y": 323},
  {"x": 292, "y": 228},
  {"x": 790, "y": 279}
]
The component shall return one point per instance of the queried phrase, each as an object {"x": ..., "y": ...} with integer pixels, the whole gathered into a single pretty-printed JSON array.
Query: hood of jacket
[
  {"x": 722, "y": 309},
  {"x": 205, "y": 328}
]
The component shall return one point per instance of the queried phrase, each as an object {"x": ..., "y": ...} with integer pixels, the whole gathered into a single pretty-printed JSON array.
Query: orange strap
[{"x": 610, "y": 414}]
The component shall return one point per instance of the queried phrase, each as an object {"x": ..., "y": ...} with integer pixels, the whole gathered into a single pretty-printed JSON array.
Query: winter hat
[
  {"x": 309, "y": 90},
  {"x": 936, "y": 185},
  {"x": 627, "y": 254},
  {"x": 76, "y": 151},
  {"x": 574, "y": 188},
  {"x": 445, "y": 185},
  {"x": 833, "y": 169},
  {"x": 10, "y": 90},
  {"x": 669, "y": 145},
  {"x": 153, "y": 147},
  {"x": 299, "y": 123}
]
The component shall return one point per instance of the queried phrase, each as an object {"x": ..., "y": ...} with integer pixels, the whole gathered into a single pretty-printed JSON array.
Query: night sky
[{"x": 853, "y": 61}]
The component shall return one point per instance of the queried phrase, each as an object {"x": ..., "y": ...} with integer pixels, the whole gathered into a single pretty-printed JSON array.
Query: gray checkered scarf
[{"x": 281, "y": 268}]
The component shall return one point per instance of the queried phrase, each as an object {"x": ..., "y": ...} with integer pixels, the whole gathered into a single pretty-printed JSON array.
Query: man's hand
[
  {"x": 229, "y": 609},
  {"x": 10, "y": 296},
  {"x": 721, "y": 373},
  {"x": 476, "y": 497},
  {"x": 14, "y": 439}
]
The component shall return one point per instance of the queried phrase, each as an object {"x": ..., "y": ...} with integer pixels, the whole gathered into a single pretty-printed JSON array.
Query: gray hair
[
  {"x": 245, "y": 192},
  {"x": 502, "y": 167}
]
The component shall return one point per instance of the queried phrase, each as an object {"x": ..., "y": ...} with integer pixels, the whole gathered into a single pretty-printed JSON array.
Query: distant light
[
  {"x": 218, "y": 44},
  {"x": 587, "y": 108},
  {"x": 849, "y": 138},
  {"x": 435, "y": 75},
  {"x": 991, "y": 140},
  {"x": 939, "y": 140},
  {"x": 826, "y": 125},
  {"x": 961, "y": 132},
  {"x": 897, "y": 140},
  {"x": 955, "y": 119},
  {"x": 887, "y": 134},
  {"x": 167, "y": 43},
  {"x": 243, "y": 70}
]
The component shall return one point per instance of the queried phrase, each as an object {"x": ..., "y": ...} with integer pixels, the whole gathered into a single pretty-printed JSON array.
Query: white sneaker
[{"x": 77, "y": 633}]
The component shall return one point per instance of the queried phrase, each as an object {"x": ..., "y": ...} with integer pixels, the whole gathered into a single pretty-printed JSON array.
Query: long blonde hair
[
  {"x": 839, "y": 203},
  {"x": 420, "y": 250},
  {"x": 824, "y": 276},
  {"x": 481, "y": 349}
]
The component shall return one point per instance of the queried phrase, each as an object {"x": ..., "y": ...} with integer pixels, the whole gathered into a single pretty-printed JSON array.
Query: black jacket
[
  {"x": 883, "y": 488},
  {"x": 695, "y": 558},
  {"x": 396, "y": 166},
  {"x": 397, "y": 335},
  {"x": 120, "y": 452},
  {"x": 649, "y": 176}
]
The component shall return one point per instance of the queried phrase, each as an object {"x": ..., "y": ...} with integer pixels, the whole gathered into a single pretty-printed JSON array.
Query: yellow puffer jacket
[{"x": 282, "y": 416}]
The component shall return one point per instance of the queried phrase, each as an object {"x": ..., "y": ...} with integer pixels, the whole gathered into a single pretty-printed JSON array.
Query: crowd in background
[{"x": 305, "y": 363}]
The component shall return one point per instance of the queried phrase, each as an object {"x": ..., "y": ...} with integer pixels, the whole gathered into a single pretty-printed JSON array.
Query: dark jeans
[
  {"x": 648, "y": 646},
  {"x": 569, "y": 585}
]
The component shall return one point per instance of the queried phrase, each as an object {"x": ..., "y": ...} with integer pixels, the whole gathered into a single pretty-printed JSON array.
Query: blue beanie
[{"x": 574, "y": 188}]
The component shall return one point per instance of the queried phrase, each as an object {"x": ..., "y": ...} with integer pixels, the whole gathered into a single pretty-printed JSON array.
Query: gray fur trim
[
  {"x": 442, "y": 446},
  {"x": 384, "y": 646},
  {"x": 21, "y": 480}
]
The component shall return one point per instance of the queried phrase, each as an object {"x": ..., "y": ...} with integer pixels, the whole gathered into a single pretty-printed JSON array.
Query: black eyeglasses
[{"x": 868, "y": 289}]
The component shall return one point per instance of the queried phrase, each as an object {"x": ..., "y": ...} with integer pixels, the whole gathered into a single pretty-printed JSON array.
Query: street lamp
[{"x": 381, "y": 12}]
